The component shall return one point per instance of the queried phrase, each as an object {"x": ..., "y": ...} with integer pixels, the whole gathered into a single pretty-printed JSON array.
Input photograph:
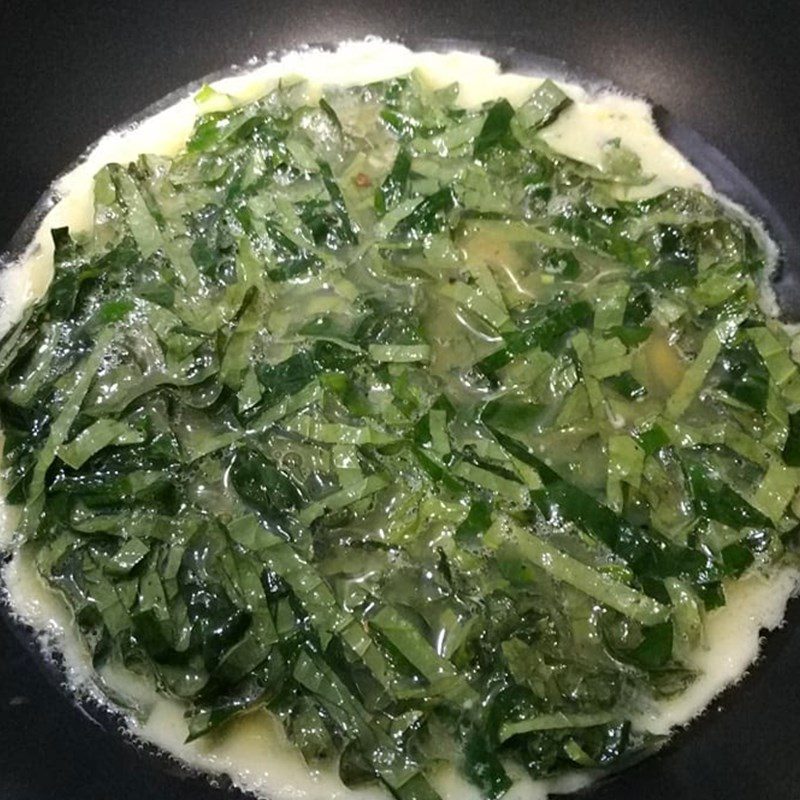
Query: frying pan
[{"x": 724, "y": 73}]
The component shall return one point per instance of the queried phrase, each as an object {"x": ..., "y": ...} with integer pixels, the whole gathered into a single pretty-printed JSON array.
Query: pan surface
[{"x": 70, "y": 71}]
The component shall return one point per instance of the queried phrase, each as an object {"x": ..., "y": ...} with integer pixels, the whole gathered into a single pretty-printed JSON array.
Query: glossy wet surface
[{"x": 709, "y": 59}]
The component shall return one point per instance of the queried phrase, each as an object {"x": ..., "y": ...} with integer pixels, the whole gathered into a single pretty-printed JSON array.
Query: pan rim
[{"x": 725, "y": 178}]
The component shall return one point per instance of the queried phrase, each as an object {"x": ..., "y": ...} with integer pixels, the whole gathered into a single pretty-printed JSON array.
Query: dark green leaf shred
[{"x": 378, "y": 413}]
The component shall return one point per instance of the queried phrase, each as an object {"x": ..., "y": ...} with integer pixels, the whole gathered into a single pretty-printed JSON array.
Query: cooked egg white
[{"x": 253, "y": 750}]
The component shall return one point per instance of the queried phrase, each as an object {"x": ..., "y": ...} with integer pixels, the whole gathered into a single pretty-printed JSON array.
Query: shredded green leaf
[{"x": 378, "y": 413}]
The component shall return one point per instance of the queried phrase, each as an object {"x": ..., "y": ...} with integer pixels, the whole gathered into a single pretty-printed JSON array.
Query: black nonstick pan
[{"x": 722, "y": 73}]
